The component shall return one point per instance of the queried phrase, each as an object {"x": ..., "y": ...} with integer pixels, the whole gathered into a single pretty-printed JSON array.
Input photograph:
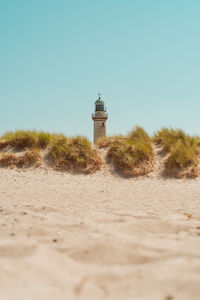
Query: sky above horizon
[{"x": 142, "y": 56}]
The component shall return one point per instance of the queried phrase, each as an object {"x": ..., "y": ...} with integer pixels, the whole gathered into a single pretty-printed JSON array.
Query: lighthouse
[{"x": 99, "y": 117}]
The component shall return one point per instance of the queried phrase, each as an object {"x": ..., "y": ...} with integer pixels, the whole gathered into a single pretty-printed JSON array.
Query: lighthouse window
[
  {"x": 102, "y": 124},
  {"x": 99, "y": 107}
]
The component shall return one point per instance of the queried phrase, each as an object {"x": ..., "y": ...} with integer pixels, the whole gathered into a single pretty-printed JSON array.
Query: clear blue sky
[{"x": 142, "y": 55}]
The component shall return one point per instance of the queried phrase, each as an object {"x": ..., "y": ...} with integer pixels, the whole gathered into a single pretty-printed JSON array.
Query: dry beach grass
[{"x": 131, "y": 155}]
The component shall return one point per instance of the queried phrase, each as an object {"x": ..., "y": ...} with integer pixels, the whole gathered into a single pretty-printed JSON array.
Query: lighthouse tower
[{"x": 99, "y": 117}]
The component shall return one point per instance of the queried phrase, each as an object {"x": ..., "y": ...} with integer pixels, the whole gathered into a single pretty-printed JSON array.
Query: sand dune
[{"x": 98, "y": 236}]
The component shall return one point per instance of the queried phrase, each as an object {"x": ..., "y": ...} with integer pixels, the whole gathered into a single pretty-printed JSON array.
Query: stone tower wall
[{"x": 99, "y": 129}]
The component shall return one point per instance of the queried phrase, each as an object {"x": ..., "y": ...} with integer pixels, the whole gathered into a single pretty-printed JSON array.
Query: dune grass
[
  {"x": 27, "y": 159},
  {"x": 182, "y": 150},
  {"x": 21, "y": 140},
  {"x": 182, "y": 160},
  {"x": 138, "y": 134},
  {"x": 106, "y": 142},
  {"x": 74, "y": 154},
  {"x": 168, "y": 137},
  {"x": 132, "y": 156}
]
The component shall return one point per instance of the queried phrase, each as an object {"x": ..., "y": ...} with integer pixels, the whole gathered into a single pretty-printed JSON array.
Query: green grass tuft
[
  {"x": 182, "y": 160},
  {"x": 105, "y": 142},
  {"x": 27, "y": 159},
  {"x": 21, "y": 140},
  {"x": 75, "y": 154},
  {"x": 139, "y": 134},
  {"x": 168, "y": 137},
  {"x": 134, "y": 155}
]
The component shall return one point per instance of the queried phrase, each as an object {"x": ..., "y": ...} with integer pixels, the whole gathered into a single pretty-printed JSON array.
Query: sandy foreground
[{"x": 100, "y": 236}]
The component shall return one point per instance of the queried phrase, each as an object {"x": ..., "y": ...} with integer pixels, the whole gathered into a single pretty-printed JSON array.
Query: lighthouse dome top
[{"x": 99, "y": 100}]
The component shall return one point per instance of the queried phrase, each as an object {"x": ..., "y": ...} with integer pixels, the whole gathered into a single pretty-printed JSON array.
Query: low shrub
[
  {"x": 139, "y": 134},
  {"x": 134, "y": 155},
  {"x": 44, "y": 138},
  {"x": 182, "y": 160},
  {"x": 8, "y": 160},
  {"x": 27, "y": 159},
  {"x": 75, "y": 154},
  {"x": 168, "y": 137},
  {"x": 105, "y": 142},
  {"x": 21, "y": 139}
]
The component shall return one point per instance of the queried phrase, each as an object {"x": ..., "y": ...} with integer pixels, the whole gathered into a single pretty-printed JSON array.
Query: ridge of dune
[{"x": 94, "y": 160}]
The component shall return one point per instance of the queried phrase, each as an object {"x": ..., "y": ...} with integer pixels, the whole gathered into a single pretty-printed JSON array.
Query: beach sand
[{"x": 100, "y": 236}]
